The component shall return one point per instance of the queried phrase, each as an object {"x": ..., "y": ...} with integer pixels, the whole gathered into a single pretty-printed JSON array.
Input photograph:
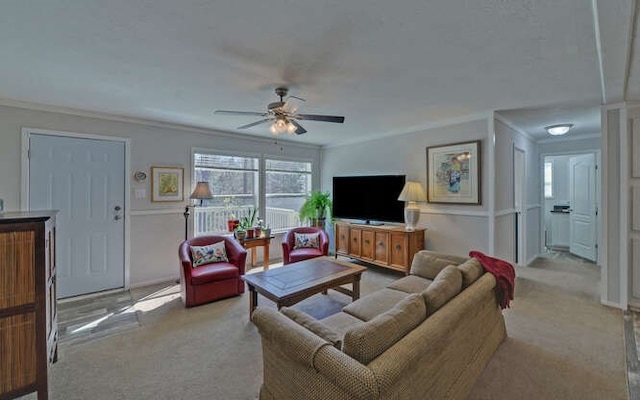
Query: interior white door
[
  {"x": 85, "y": 180},
  {"x": 582, "y": 198}
]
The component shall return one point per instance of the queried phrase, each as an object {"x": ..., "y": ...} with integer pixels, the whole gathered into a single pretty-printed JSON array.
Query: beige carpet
[{"x": 562, "y": 345}]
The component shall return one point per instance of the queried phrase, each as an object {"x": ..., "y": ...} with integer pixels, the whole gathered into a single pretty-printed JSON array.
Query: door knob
[{"x": 117, "y": 208}]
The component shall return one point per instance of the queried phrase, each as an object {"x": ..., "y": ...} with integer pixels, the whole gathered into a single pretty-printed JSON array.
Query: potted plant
[
  {"x": 316, "y": 208},
  {"x": 239, "y": 233},
  {"x": 247, "y": 223},
  {"x": 232, "y": 221},
  {"x": 258, "y": 228}
]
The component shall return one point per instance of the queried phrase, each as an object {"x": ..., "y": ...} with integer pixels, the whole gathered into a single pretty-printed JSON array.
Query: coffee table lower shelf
[{"x": 295, "y": 282}]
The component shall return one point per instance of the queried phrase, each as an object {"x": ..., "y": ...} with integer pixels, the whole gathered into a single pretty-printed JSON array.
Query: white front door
[
  {"x": 582, "y": 198},
  {"x": 85, "y": 180}
]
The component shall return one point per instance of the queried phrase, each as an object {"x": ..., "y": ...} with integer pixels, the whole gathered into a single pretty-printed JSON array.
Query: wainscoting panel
[{"x": 635, "y": 273}]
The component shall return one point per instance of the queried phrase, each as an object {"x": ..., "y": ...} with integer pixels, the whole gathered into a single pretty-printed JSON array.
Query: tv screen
[{"x": 368, "y": 198}]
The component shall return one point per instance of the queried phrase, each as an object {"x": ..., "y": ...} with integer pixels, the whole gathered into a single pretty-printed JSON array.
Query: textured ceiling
[{"x": 388, "y": 67}]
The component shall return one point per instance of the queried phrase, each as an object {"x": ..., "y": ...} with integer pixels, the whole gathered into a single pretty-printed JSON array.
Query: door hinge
[{"x": 29, "y": 154}]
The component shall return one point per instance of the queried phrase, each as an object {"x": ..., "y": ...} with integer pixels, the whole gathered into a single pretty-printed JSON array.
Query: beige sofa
[{"x": 428, "y": 335}]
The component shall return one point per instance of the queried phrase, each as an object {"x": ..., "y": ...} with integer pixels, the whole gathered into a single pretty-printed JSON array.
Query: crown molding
[
  {"x": 417, "y": 129},
  {"x": 569, "y": 138},
  {"x": 146, "y": 122}
]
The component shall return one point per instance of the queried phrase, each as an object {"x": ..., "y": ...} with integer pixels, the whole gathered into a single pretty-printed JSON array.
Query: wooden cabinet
[
  {"x": 28, "y": 317},
  {"x": 387, "y": 246}
]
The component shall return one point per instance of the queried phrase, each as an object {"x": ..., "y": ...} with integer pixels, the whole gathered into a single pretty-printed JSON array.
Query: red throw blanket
[{"x": 505, "y": 276}]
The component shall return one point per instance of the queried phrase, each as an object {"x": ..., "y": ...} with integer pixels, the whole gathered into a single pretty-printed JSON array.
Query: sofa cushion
[
  {"x": 446, "y": 285},
  {"x": 341, "y": 322},
  {"x": 314, "y": 326},
  {"x": 428, "y": 263},
  {"x": 374, "y": 304},
  {"x": 471, "y": 271},
  {"x": 368, "y": 341},
  {"x": 410, "y": 284}
]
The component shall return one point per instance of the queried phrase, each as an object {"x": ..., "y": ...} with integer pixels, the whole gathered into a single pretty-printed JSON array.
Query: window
[
  {"x": 548, "y": 180},
  {"x": 287, "y": 185},
  {"x": 235, "y": 183}
]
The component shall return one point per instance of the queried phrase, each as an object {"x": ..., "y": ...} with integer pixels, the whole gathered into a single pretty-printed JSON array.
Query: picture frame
[
  {"x": 167, "y": 184},
  {"x": 454, "y": 173}
]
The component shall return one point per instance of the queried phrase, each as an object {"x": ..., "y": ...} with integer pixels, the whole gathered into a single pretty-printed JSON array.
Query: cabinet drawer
[
  {"x": 355, "y": 242},
  {"x": 17, "y": 339},
  {"x": 368, "y": 245}
]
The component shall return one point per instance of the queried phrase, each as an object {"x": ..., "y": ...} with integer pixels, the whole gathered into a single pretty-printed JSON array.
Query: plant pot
[
  {"x": 318, "y": 222},
  {"x": 240, "y": 235},
  {"x": 267, "y": 232},
  {"x": 232, "y": 224},
  {"x": 250, "y": 234},
  {"x": 257, "y": 231}
]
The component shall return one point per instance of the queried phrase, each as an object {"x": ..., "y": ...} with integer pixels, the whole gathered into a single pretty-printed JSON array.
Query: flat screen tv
[{"x": 372, "y": 199}]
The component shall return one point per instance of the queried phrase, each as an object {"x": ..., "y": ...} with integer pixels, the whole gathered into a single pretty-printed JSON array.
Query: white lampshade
[{"x": 412, "y": 191}]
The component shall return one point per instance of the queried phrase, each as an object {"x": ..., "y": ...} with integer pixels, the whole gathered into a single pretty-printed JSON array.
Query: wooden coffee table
[{"x": 295, "y": 282}]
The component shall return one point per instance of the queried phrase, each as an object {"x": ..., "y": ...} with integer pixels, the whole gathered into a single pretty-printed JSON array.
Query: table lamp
[
  {"x": 201, "y": 192},
  {"x": 411, "y": 193}
]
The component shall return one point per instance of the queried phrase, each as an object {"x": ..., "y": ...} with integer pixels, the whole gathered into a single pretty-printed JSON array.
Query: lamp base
[{"x": 411, "y": 217}]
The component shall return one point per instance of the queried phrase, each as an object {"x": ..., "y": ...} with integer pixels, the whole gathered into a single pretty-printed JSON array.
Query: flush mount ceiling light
[{"x": 557, "y": 130}]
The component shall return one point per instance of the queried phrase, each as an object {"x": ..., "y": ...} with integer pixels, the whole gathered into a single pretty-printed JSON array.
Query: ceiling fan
[{"x": 284, "y": 115}]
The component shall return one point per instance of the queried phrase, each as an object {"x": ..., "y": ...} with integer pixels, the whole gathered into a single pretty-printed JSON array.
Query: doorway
[
  {"x": 84, "y": 178},
  {"x": 570, "y": 199}
]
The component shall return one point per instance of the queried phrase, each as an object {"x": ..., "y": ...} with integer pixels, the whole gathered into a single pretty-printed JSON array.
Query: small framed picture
[
  {"x": 453, "y": 173},
  {"x": 167, "y": 183}
]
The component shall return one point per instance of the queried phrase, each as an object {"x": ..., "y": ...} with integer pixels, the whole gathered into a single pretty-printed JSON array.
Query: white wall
[
  {"x": 156, "y": 228},
  {"x": 454, "y": 229},
  {"x": 507, "y": 139}
]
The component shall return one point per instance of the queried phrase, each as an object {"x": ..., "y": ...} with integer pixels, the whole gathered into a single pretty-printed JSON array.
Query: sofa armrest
[{"x": 299, "y": 345}]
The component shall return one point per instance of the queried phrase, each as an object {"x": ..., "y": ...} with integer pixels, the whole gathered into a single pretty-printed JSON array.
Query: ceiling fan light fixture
[
  {"x": 557, "y": 130},
  {"x": 281, "y": 125}
]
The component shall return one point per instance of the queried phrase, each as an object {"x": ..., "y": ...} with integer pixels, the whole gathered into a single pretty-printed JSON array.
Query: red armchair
[
  {"x": 213, "y": 281},
  {"x": 290, "y": 255}
]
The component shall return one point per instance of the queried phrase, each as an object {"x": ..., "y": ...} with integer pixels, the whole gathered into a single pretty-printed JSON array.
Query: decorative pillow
[
  {"x": 428, "y": 264},
  {"x": 314, "y": 326},
  {"x": 302, "y": 240},
  {"x": 212, "y": 253}
]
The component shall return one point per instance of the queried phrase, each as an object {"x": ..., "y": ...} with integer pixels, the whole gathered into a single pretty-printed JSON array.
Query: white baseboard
[{"x": 611, "y": 304}]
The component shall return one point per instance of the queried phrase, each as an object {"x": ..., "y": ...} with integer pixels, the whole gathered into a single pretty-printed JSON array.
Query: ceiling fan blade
[
  {"x": 227, "y": 112},
  {"x": 324, "y": 118},
  {"x": 262, "y": 121},
  {"x": 299, "y": 129}
]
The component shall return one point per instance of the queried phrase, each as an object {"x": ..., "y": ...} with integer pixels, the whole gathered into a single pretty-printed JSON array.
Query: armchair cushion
[
  {"x": 212, "y": 253},
  {"x": 304, "y": 240},
  {"x": 213, "y": 272}
]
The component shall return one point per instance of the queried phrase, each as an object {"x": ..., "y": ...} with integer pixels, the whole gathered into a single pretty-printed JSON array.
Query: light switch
[{"x": 141, "y": 193}]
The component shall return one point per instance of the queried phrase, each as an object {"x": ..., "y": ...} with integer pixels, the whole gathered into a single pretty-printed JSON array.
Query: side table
[{"x": 253, "y": 243}]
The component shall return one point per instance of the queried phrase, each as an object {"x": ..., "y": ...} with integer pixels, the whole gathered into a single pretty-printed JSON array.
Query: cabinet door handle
[
  {"x": 366, "y": 241},
  {"x": 398, "y": 247}
]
